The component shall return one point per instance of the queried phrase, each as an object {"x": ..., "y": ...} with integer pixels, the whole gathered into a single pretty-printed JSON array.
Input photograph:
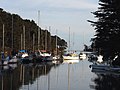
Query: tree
[
  {"x": 15, "y": 22},
  {"x": 107, "y": 27}
]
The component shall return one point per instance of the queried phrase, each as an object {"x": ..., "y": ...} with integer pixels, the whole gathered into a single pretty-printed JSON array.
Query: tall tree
[{"x": 107, "y": 27}]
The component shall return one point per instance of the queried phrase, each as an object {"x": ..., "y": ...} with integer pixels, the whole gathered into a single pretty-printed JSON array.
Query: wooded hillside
[{"x": 15, "y": 28}]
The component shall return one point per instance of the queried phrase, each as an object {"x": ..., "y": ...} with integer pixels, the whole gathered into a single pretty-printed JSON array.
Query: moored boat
[
  {"x": 46, "y": 56},
  {"x": 82, "y": 55},
  {"x": 71, "y": 56},
  {"x": 99, "y": 66},
  {"x": 13, "y": 60},
  {"x": 71, "y": 61}
]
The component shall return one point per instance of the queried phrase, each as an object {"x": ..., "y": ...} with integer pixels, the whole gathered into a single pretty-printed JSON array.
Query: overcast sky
[{"x": 60, "y": 15}]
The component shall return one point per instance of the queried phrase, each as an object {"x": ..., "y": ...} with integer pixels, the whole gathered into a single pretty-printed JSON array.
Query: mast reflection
[{"x": 22, "y": 76}]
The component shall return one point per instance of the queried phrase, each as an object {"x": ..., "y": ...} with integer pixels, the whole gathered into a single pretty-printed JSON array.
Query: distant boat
[
  {"x": 56, "y": 57},
  {"x": 46, "y": 56},
  {"x": 70, "y": 56},
  {"x": 82, "y": 55},
  {"x": 71, "y": 61}
]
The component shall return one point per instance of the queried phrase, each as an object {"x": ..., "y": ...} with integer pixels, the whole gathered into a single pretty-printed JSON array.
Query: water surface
[{"x": 61, "y": 76}]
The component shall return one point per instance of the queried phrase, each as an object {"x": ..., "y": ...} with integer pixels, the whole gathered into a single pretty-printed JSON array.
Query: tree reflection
[
  {"x": 23, "y": 75},
  {"x": 106, "y": 82}
]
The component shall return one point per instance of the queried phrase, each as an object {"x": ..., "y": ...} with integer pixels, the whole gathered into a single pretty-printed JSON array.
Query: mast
[
  {"x": 46, "y": 39},
  {"x": 12, "y": 32},
  {"x": 33, "y": 41},
  {"x": 50, "y": 38},
  {"x": 83, "y": 39},
  {"x": 38, "y": 31},
  {"x": 24, "y": 35},
  {"x": 21, "y": 42},
  {"x": 73, "y": 40},
  {"x": 69, "y": 40},
  {"x": 3, "y": 37},
  {"x": 56, "y": 42}
]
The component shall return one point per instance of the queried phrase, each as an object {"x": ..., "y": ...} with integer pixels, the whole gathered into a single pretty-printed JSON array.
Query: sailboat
[
  {"x": 44, "y": 54},
  {"x": 70, "y": 55},
  {"x": 56, "y": 56},
  {"x": 13, "y": 59}
]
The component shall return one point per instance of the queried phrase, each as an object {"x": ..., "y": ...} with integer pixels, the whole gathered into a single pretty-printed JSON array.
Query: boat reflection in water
[
  {"x": 30, "y": 76},
  {"x": 26, "y": 76},
  {"x": 107, "y": 76},
  {"x": 7, "y": 77},
  {"x": 57, "y": 75},
  {"x": 71, "y": 61}
]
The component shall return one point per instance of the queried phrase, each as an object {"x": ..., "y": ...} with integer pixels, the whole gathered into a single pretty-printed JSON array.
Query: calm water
[{"x": 61, "y": 76}]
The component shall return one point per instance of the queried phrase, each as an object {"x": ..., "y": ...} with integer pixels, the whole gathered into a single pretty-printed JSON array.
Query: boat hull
[{"x": 70, "y": 58}]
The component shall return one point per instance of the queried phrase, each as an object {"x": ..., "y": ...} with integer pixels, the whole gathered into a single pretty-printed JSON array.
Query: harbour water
[{"x": 64, "y": 75}]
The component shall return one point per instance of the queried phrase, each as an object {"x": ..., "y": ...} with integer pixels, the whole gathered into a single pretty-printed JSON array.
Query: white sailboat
[
  {"x": 56, "y": 56},
  {"x": 14, "y": 59},
  {"x": 70, "y": 55},
  {"x": 46, "y": 55}
]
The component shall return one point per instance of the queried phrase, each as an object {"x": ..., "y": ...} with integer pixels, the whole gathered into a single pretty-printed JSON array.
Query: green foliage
[
  {"x": 61, "y": 43},
  {"x": 16, "y": 23},
  {"x": 107, "y": 27}
]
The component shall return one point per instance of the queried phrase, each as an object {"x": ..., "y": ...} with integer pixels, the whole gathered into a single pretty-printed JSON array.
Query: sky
[{"x": 63, "y": 16}]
